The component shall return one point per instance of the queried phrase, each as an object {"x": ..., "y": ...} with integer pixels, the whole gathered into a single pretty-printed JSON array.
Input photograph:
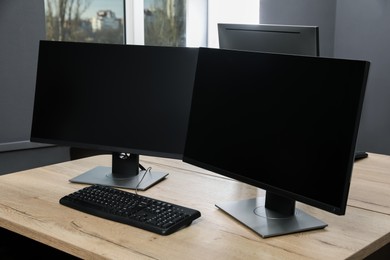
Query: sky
[{"x": 117, "y": 6}]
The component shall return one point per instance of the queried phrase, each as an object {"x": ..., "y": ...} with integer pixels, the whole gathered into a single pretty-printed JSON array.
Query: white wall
[{"x": 230, "y": 11}]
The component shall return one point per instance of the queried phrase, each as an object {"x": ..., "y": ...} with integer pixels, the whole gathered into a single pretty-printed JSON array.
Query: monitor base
[
  {"x": 268, "y": 223},
  {"x": 102, "y": 175}
]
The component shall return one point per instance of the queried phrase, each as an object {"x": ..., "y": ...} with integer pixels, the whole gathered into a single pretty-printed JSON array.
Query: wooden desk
[
  {"x": 370, "y": 187},
  {"x": 29, "y": 206}
]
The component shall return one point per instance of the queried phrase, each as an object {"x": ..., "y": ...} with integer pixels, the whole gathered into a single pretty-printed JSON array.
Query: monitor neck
[
  {"x": 279, "y": 204},
  {"x": 125, "y": 165}
]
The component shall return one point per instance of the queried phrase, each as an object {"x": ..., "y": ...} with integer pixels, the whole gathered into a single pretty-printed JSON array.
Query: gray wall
[
  {"x": 22, "y": 25},
  {"x": 356, "y": 29},
  {"x": 303, "y": 12},
  {"x": 363, "y": 32}
]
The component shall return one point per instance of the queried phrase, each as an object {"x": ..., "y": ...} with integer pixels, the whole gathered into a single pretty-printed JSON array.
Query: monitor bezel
[
  {"x": 122, "y": 170},
  {"x": 309, "y": 37},
  {"x": 338, "y": 210}
]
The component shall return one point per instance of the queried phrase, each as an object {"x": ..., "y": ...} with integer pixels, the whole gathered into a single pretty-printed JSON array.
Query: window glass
[
  {"x": 165, "y": 22},
  {"x": 85, "y": 20}
]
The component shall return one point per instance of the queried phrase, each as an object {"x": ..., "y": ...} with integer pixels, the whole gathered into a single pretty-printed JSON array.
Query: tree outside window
[
  {"x": 165, "y": 22},
  {"x": 99, "y": 21}
]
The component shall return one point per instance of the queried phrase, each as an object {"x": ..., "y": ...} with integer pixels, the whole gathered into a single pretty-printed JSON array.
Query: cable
[
  {"x": 146, "y": 171},
  {"x": 141, "y": 167}
]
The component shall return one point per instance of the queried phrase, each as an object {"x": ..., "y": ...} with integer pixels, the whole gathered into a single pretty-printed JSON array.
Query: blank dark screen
[
  {"x": 124, "y": 98},
  {"x": 289, "y": 39},
  {"x": 280, "y": 122}
]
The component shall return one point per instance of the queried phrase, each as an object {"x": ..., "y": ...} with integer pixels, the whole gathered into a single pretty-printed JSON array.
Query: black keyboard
[
  {"x": 132, "y": 209},
  {"x": 360, "y": 155}
]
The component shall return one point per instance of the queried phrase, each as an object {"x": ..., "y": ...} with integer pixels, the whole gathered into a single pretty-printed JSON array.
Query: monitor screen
[
  {"x": 128, "y": 100},
  {"x": 284, "y": 123},
  {"x": 289, "y": 39}
]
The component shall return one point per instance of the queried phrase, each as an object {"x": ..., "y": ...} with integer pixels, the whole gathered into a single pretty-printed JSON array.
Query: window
[
  {"x": 85, "y": 20},
  {"x": 196, "y": 20},
  {"x": 165, "y": 22},
  {"x": 190, "y": 23}
]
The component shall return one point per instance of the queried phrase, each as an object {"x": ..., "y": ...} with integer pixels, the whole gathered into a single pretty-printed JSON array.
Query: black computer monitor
[
  {"x": 289, "y": 39},
  {"x": 284, "y": 123},
  {"x": 128, "y": 100}
]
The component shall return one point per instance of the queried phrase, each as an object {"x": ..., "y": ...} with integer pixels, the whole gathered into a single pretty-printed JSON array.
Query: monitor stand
[
  {"x": 126, "y": 172},
  {"x": 268, "y": 223}
]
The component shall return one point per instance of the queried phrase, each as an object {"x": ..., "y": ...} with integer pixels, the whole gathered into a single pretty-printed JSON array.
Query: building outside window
[{"x": 99, "y": 21}]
